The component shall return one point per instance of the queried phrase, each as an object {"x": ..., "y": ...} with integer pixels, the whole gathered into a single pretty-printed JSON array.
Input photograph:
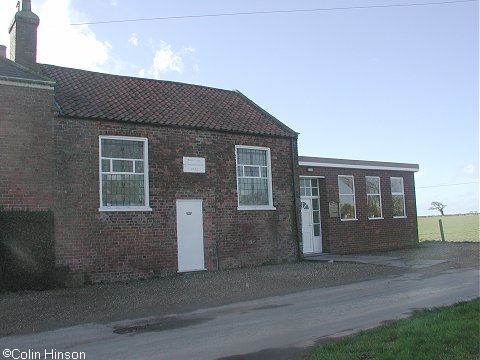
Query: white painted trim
[
  {"x": 145, "y": 174},
  {"x": 124, "y": 208},
  {"x": 311, "y": 177},
  {"x": 379, "y": 194},
  {"x": 28, "y": 83},
  {"x": 269, "y": 180},
  {"x": 350, "y": 166},
  {"x": 354, "y": 197},
  {"x": 251, "y": 207},
  {"x": 397, "y": 193}
]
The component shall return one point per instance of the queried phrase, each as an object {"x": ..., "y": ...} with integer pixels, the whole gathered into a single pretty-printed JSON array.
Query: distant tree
[{"x": 436, "y": 205}]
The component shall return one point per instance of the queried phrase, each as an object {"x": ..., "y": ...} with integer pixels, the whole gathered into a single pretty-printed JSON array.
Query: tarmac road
[{"x": 279, "y": 327}]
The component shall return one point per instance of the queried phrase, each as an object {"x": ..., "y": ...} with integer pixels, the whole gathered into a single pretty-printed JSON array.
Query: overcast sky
[{"x": 396, "y": 83}]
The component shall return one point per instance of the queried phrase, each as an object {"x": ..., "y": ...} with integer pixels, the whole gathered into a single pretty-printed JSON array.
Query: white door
[
  {"x": 190, "y": 235},
  {"x": 311, "y": 222},
  {"x": 307, "y": 226}
]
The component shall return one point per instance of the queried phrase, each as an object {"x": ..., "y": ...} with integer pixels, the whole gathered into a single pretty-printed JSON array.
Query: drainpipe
[{"x": 297, "y": 203}]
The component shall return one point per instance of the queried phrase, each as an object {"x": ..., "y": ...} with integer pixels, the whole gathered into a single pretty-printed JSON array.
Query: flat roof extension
[{"x": 310, "y": 161}]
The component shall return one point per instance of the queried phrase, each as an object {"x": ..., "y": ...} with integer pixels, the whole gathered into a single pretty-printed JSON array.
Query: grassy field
[
  {"x": 455, "y": 227},
  {"x": 447, "y": 333}
]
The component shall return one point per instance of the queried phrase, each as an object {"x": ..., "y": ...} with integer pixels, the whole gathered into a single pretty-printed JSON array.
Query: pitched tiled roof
[
  {"x": 92, "y": 95},
  {"x": 12, "y": 71}
]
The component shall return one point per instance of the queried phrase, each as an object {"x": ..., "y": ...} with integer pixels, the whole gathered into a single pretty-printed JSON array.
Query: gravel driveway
[{"x": 32, "y": 311}]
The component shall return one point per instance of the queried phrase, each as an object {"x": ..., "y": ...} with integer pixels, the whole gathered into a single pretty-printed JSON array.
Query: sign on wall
[
  {"x": 193, "y": 165},
  {"x": 333, "y": 209}
]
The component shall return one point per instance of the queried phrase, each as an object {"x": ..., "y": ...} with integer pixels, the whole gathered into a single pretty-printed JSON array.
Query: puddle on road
[{"x": 167, "y": 323}]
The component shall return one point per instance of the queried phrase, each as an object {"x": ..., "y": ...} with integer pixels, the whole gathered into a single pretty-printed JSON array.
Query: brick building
[
  {"x": 353, "y": 206},
  {"x": 147, "y": 177}
]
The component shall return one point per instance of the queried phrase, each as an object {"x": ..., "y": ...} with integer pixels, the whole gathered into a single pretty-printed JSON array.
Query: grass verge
[{"x": 445, "y": 333}]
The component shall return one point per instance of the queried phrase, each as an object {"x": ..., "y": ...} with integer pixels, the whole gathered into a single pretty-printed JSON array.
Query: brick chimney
[{"x": 23, "y": 36}]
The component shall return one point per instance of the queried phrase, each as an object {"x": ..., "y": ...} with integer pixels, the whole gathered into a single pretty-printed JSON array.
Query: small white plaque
[{"x": 193, "y": 165}]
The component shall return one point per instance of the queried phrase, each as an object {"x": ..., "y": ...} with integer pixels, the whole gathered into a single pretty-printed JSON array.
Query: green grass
[
  {"x": 455, "y": 227},
  {"x": 446, "y": 333}
]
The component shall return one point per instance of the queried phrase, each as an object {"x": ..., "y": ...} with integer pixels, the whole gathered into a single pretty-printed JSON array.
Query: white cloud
[
  {"x": 188, "y": 50},
  {"x": 471, "y": 171},
  {"x": 141, "y": 72},
  {"x": 113, "y": 3},
  {"x": 64, "y": 44},
  {"x": 133, "y": 40},
  {"x": 59, "y": 42},
  {"x": 196, "y": 68},
  {"x": 166, "y": 60}
]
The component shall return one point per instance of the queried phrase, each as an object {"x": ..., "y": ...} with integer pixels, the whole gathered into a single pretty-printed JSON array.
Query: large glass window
[
  {"x": 398, "y": 196},
  {"x": 123, "y": 173},
  {"x": 346, "y": 191},
  {"x": 374, "y": 197},
  {"x": 254, "y": 182}
]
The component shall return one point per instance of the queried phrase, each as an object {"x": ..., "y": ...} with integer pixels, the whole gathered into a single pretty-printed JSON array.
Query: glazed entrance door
[
  {"x": 307, "y": 226},
  {"x": 311, "y": 222}
]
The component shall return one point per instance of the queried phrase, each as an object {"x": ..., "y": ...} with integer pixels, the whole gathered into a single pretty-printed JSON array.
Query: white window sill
[
  {"x": 124, "y": 208},
  {"x": 349, "y": 219},
  {"x": 242, "y": 208},
  {"x": 379, "y": 218},
  {"x": 399, "y": 217}
]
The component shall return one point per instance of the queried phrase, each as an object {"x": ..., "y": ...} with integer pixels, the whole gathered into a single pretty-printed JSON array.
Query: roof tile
[{"x": 92, "y": 95}]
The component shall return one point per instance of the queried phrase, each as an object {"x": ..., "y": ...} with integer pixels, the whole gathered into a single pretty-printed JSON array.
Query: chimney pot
[
  {"x": 3, "y": 51},
  {"x": 26, "y": 5}
]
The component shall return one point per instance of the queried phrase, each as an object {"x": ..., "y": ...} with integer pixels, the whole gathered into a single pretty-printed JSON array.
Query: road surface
[{"x": 275, "y": 327}]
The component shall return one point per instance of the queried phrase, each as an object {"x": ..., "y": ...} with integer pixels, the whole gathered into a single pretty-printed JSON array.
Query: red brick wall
[
  {"x": 364, "y": 235},
  {"x": 26, "y": 148},
  {"x": 120, "y": 245}
]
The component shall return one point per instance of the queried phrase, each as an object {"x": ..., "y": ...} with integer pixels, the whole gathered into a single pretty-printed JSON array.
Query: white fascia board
[
  {"x": 29, "y": 84},
  {"x": 351, "y": 166}
]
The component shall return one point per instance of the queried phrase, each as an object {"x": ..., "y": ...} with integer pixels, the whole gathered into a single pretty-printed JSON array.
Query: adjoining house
[{"x": 146, "y": 177}]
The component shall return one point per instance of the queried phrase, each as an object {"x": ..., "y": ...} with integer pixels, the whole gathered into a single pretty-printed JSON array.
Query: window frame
[
  {"x": 396, "y": 194},
  {"x": 354, "y": 198},
  {"x": 379, "y": 194},
  {"x": 146, "y": 206},
  {"x": 269, "y": 179}
]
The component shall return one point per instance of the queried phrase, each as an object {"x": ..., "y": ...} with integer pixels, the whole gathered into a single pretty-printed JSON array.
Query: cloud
[
  {"x": 133, "y": 40},
  {"x": 471, "y": 171},
  {"x": 188, "y": 50},
  {"x": 141, "y": 72},
  {"x": 59, "y": 42},
  {"x": 113, "y": 3},
  {"x": 166, "y": 60}
]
